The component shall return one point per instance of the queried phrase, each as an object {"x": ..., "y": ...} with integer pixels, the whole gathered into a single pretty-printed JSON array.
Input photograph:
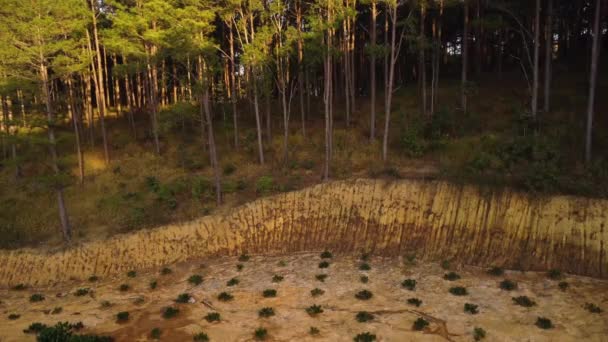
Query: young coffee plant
[
  {"x": 409, "y": 284},
  {"x": 166, "y": 271},
  {"x": 195, "y": 279},
  {"x": 524, "y": 301},
  {"x": 232, "y": 282},
  {"x": 155, "y": 333},
  {"x": 200, "y": 337},
  {"x": 314, "y": 331},
  {"x": 364, "y": 295},
  {"x": 508, "y": 285},
  {"x": 451, "y": 276},
  {"x": 364, "y": 279},
  {"x": 323, "y": 264},
  {"x": 153, "y": 284},
  {"x": 37, "y": 297},
  {"x": 364, "y": 267},
  {"x": 554, "y": 274},
  {"x": 124, "y": 287},
  {"x": 458, "y": 291},
  {"x": 82, "y": 292},
  {"x": 364, "y": 316},
  {"x": 266, "y": 312},
  {"x": 593, "y": 308},
  {"x": 212, "y": 317},
  {"x": 260, "y": 334},
  {"x": 131, "y": 274},
  {"x": 225, "y": 297},
  {"x": 122, "y": 317},
  {"x": 269, "y": 293},
  {"x": 326, "y": 255},
  {"x": 420, "y": 324},
  {"x": 244, "y": 258},
  {"x": 277, "y": 278},
  {"x": 414, "y": 301},
  {"x": 314, "y": 310},
  {"x": 169, "y": 312},
  {"x": 471, "y": 308},
  {"x": 479, "y": 334},
  {"x": 544, "y": 323},
  {"x": 496, "y": 271},
  {"x": 316, "y": 292},
  {"x": 183, "y": 298},
  {"x": 321, "y": 277},
  {"x": 365, "y": 337}
]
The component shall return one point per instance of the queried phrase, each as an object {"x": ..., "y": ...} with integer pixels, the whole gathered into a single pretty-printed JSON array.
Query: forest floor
[{"x": 393, "y": 316}]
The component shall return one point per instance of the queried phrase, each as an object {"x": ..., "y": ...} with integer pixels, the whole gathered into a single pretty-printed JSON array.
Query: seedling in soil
[
  {"x": 183, "y": 298},
  {"x": 155, "y": 333},
  {"x": 451, "y": 276},
  {"x": 524, "y": 301},
  {"x": 479, "y": 334},
  {"x": 93, "y": 278},
  {"x": 124, "y": 287},
  {"x": 82, "y": 292},
  {"x": 13, "y": 317},
  {"x": 239, "y": 267},
  {"x": 35, "y": 328},
  {"x": 420, "y": 324},
  {"x": 269, "y": 293},
  {"x": 323, "y": 264},
  {"x": 314, "y": 331},
  {"x": 508, "y": 285},
  {"x": 326, "y": 255},
  {"x": 365, "y": 267},
  {"x": 364, "y": 316},
  {"x": 166, "y": 271},
  {"x": 131, "y": 274},
  {"x": 593, "y": 308},
  {"x": 554, "y": 274},
  {"x": 37, "y": 297},
  {"x": 195, "y": 279},
  {"x": 414, "y": 301},
  {"x": 364, "y": 295},
  {"x": 266, "y": 312},
  {"x": 277, "y": 278},
  {"x": 316, "y": 292},
  {"x": 563, "y": 285},
  {"x": 232, "y": 282},
  {"x": 19, "y": 287},
  {"x": 458, "y": 291},
  {"x": 544, "y": 323},
  {"x": 122, "y": 316},
  {"x": 364, "y": 279},
  {"x": 59, "y": 309},
  {"x": 409, "y": 284},
  {"x": 314, "y": 310},
  {"x": 471, "y": 308},
  {"x": 170, "y": 312},
  {"x": 244, "y": 258},
  {"x": 260, "y": 334},
  {"x": 153, "y": 285},
  {"x": 496, "y": 271},
  {"x": 213, "y": 317},
  {"x": 225, "y": 297},
  {"x": 321, "y": 277},
  {"x": 365, "y": 337},
  {"x": 200, "y": 337}
]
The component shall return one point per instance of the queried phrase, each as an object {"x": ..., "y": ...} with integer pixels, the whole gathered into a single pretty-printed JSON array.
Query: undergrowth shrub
[
  {"x": 213, "y": 317},
  {"x": 225, "y": 297},
  {"x": 122, "y": 317},
  {"x": 544, "y": 323},
  {"x": 451, "y": 276},
  {"x": 321, "y": 277},
  {"x": 195, "y": 279},
  {"x": 277, "y": 278},
  {"x": 260, "y": 334},
  {"x": 232, "y": 282},
  {"x": 479, "y": 334},
  {"x": 269, "y": 293},
  {"x": 200, "y": 337},
  {"x": 183, "y": 298}
]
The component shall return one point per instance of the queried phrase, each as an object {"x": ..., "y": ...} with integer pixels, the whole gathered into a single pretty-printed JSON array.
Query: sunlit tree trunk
[
  {"x": 211, "y": 136},
  {"x": 536, "y": 59},
  {"x": 465, "y": 58},
  {"x": 548, "y": 55},
  {"x": 75, "y": 119},
  {"x": 389, "y": 95},
  {"x": 372, "y": 72},
  {"x": 595, "y": 56}
]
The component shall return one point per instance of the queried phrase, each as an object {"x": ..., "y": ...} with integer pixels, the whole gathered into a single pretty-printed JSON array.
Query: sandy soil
[{"x": 393, "y": 316}]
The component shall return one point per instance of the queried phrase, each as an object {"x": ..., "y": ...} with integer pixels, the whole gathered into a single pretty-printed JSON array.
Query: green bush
[
  {"x": 316, "y": 292},
  {"x": 414, "y": 301},
  {"x": 269, "y": 293},
  {"x": 200, "y": 337},
  {"x": 195, "y": 279},
  {"x": 364, "y": 295},
  {"x": 458, "y": 291},
  {"x": 225, "y": 297},
  {"x": 239, "y": 267},
  {"x": 544, "y": 323},
  {"x": 232, "y": 282},
  {"x": 326, "y": 255},
  {"x": 62, "y": 332},
  {"x": 124, "y": 287},
  {"x": 420, "y": 324},
  {"x": 35, "y": 328},
  {"x": 122, "y": 316},
  {"x": 19, "y": 287},
  {"x": 153, "y": 284},
  {"x": 265, "y": 185},
  {"x": 277, "y": 278},
  {"x": 183, "y": 298},
  {"x": 37, "y": 297},
  {"x": 508, "y": 285},
  {"x": 314, "y": 310},
  {"x": 169, "y": 312},
  {"x": 260, "y": 334},
  {"x": 166, "y": 271},
  {"x": 554, "y": 274},
  {"x": 524, "y": 301},
  {"x": 364, "y": 279},
  {"x": 365, "y": 267},
  {"x": 212, "y": 317},
  {"x": 364, "y": 316},
  {"x": 365, "y": 337},
  {"x": 13, "y": 317},
  {"x": 593, "y": 308},
  {"x": 57, "y": 310},
  {"x": 321, "y": 277},
  {"x": 471, "y": 308},
  {"x": 82, "y": 292},
  {"x": 409, "y": 284},
  {"x": 266, "y": 312},
  {"x": 479, "y": 334},
  {"x": 131, "y": 274},
  {"x": 451, "y": 276},
  {"x": 323, "y": 264}
]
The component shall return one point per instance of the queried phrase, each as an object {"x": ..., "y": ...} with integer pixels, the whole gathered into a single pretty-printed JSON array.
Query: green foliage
[
  {"x": 19, "y": 287},
  {"x": 264, "y": 185},
  {"x": 13, "y": 317},
  {"x": 458, "y": 291},
  {"x": 451, "y": 276},
  {"x": 323, "y": 264},
  {"x": 314, "y": 310},
  {"x": 365, "y": 337},
  {"x": 170, "y": 312},
  {"x": 82, "y": 292},
  {"x": 409, "y": 284},
  {"x": 229, "y": 169},
  {"x": 195, "y": 279},
  {"x": 544, "y": 323},
  {"x": 63, "y": 332},
  {"x": 364, "y": 295},
  {"x": 200, "y": 337},
  {"x": 412, "y": 141},
  {"x": 232, "y": 282},
  {"x": 266, "y": 312},
  {"x": 420, "y": 324},
  {"x": 316, "y": 292},
  {"x": 524, "y": 301},
  {"x": 269, "y": 293},
  {"x": 326, "y": 255},
  {"x": 183, "y": 298},
  {"x": 131, "y": 274},
  {"x": 37, "y": 297},
  {"x": 260, "y": 334},
  {"x": 122, "y": 316},
  {"x": 508, "y": 285},
  {"x": 445, "y": 264},
  {"x": 321, "y": 277},
  {"x": 153, "y": 284},
  {"x": 414, "y": 301},
  {"x": 479, "y": 334},
  {"x": 364, "y": 316},
  {"x": 58, "y": 309},
  {"x": 213, "y": 317},
  {"x": 365, "y": 267},
  {"x": 225, "y": 297},
  {"x": 35, "y": 328},
  {"x": 471, "y": 308}
]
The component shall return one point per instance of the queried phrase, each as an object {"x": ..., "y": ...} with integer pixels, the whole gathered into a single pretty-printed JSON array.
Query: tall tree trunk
[
  {"x": 63, "y": 214},
  {"x": 465, "y": 58},
  {"x": 75, "y": 119},
  {"x": 536, "y": 59},
  {"x": 391, "y": 73},
  {"x": 233, "y": 86},
  {"x": 152, "y": 96},
  {"x": 117, "y": 97},
  {"x": 478, "y": 40},
  {"x": 595, "y": 56},
  {"x": 15, "y": 129},
  {"x": 268, "y": 120},
  {"x": 372, "y": 72},
  {"x": 548, "y": 54},
  {"x": 301, "y": 88},
  {"x": 327, "y": 95},
  {"x": 422, "y": 60},
  {"x": 212, "y": 149},
  {"x": 258, "y": 124}
]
